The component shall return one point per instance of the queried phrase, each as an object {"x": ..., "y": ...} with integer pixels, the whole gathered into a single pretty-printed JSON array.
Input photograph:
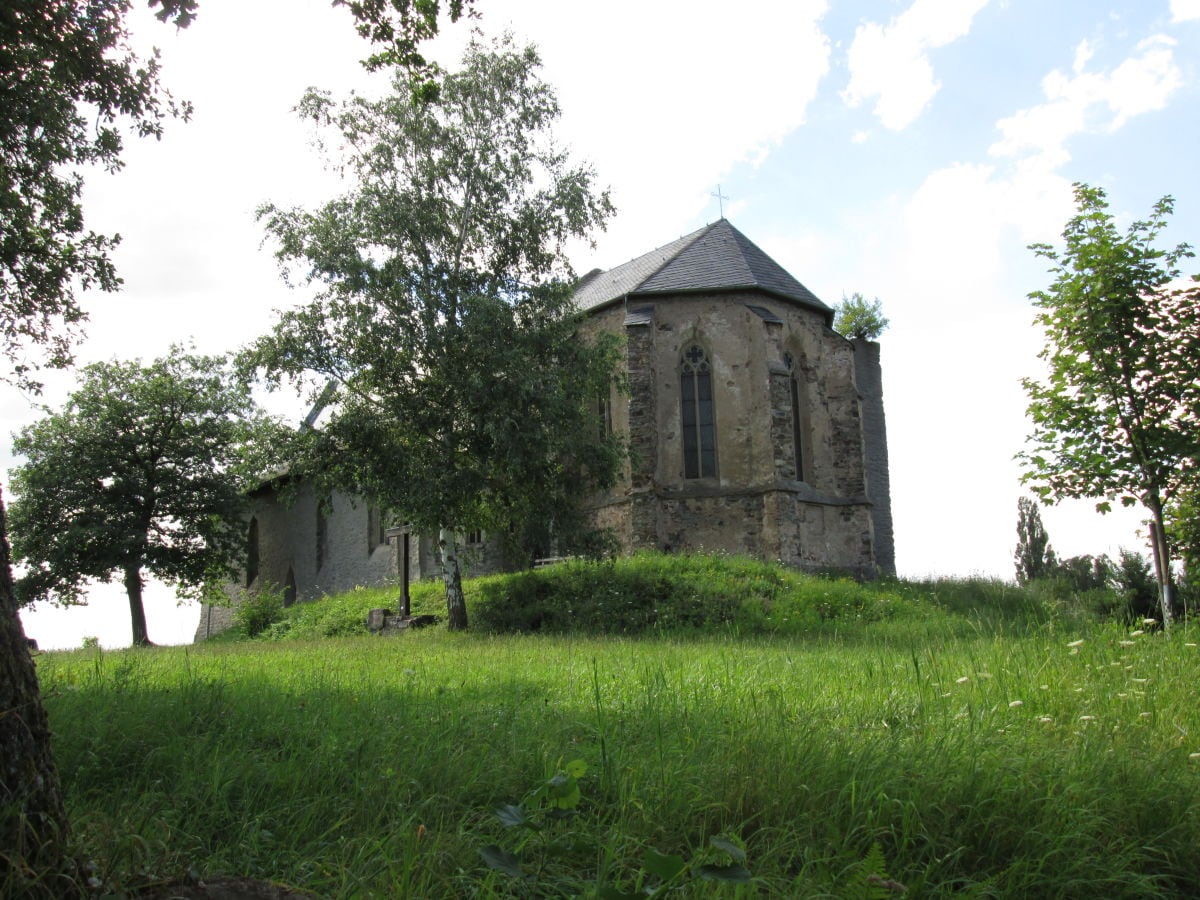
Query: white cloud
[
  {"x": 892, "y": 63},
  {"x": 676, "y": 101},
  {"x": 1092, "y": 101},
  {"x": 1185, "y": 10}
]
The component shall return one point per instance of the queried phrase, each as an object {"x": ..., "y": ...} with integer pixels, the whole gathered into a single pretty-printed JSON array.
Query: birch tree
[{"x": 462, "y": 395}]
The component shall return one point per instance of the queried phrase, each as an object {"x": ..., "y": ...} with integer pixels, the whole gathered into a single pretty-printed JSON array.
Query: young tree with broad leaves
[
  {"x": 1118, "y": 416},
  {"x": 859, "y": 318},
  {"x": 143, "y": 472},
  {"x": 463, "y": 396}
]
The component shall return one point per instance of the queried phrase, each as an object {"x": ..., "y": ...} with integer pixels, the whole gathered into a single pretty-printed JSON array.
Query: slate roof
[{"x": 716, "y": 257}]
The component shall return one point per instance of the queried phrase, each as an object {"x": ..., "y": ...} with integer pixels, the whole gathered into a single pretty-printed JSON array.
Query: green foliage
[
  {"x": 983, "y": 762},
  {"x": 144, "y": 469},
  {"x": 1183, "y": 525},
  {"x": 1118, "y": 416},
  {"x": 543, "y": 823},
  {"x": 461, "y": 396},
  {"x": 70, "y": 80},
  {"x": 257, "y": 610},
  {"x": 1034, "y": 555},
  {"x": 400, "y": 26},
  {"x": 658, "y": 592},
  {"x": 859, "y": 318},
  {"x": 346, "y": 614},
  {"x": 1133, "y": 577}
]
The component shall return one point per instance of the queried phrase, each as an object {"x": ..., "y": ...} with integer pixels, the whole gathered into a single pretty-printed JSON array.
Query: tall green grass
[{"x": 992, "y": 756}]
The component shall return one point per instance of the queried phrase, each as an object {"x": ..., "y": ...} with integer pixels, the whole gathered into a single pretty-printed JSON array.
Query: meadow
[{"x": 810, "y": 738}]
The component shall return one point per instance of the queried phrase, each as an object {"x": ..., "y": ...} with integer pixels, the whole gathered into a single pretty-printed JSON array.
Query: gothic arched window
[
  {"x": 289, "y": 588},
  {"x": 252, "y": 552},
  {"x": 799, "y": 411},
  {"x": 697, "y": 414},
  {"x": 323, "y": 508}
]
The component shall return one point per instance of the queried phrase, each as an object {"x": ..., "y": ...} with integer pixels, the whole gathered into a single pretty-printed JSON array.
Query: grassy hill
[{"x": 708, "y": 721}]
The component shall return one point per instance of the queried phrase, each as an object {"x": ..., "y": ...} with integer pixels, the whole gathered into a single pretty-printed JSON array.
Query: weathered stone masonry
[{"x": 801, "y": 463}]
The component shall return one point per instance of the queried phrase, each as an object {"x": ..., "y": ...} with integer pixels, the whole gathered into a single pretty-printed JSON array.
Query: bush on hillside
[
  {"x": 257, "y": 610},
  {"x": 658, "y": 592}
]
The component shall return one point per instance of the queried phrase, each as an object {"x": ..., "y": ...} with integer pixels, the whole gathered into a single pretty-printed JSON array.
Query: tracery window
[
  {"x": 799, "y": 417},
  {"x": 697, "y": 414}
]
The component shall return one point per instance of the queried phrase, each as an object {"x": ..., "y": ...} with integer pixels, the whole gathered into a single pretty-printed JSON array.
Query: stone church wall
[
  {"x": 758, "y": 503},
  {"x": 313, "y": 552}
]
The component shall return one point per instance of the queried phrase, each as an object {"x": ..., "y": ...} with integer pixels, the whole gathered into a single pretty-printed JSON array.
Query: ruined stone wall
[
  {"x": 869, "y": 376},
  {"x": 758, "y": 503}
]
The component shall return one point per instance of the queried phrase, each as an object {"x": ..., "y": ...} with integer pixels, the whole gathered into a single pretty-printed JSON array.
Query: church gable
[
  {"x": 743, "y": 414},
  {"x": 716, "y": 257}
]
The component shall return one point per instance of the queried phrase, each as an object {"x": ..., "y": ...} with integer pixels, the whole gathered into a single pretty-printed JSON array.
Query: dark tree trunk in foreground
[
  {"x": 33, "y": 822},
  {"x": 137, "y": 610},
  {"x": 456, "y": 603}
]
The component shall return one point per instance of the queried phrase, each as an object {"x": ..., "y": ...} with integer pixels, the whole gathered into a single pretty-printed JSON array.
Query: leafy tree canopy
[
  {"x": 1118, "y": 416},
  {"x": 857, "y": 317},
  {"x": 400, "y": 26},
  {"x": 144, "y": 470},
  {"x": 68, "y": 79},
  {"x": 443, "y": 319}
]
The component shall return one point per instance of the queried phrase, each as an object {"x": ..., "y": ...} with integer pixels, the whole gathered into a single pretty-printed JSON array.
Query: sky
[{"x": 909, "y": 150}]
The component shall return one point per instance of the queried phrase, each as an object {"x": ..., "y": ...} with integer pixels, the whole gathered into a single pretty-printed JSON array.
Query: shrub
[{"x": 258, "y": 609}]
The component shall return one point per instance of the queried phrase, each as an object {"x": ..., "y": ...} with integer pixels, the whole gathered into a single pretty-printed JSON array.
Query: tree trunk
[
  {"x": 456, "y": 603},
  {"x": 137, "y": 611},
  {"x": 1162, "y": 564},
  {"x": 33, "y": 822}
]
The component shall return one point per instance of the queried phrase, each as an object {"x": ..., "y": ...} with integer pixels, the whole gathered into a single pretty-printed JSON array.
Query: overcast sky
[{"x": 907, "y": 150}]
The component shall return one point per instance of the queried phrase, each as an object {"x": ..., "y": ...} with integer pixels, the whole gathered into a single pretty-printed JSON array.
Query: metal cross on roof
[{"x": 721, "y": 198}]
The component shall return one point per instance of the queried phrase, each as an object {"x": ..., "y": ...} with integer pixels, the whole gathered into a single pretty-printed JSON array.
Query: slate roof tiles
[{"x": 717, "y": 257}]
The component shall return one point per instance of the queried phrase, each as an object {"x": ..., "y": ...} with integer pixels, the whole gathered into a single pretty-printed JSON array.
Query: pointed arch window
[
  {"x": 252, "y": 551},
  {"x": 375, "y": 535},
  {"x": 323, "y": 508},
  {"x": 289, "y": 588},
  {"x": 799, "y": 410},
  {"x": 698, "y": 414}
]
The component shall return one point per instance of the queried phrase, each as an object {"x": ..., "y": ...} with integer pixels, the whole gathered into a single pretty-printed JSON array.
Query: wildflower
[
  {"x": 1194, "y": 756},
  {"x": 1015, "y": 703},
  {"x": 1144, "y": 715},
  {"x": 1045, "y": 720},
  {"x": 1044, "y": 687},
  {"x": 1140, "y": 680},
  {"x": 1087, "y": 718},
  {"x": 963, "y": 680},
  {"x": 1137, "y": 633},
  {"x": 1123, "y": 644},
  {"x": 1078, "y": 643},
  {"x": 1189, "y": 644},
  {"x": 1150, "y": 623}
]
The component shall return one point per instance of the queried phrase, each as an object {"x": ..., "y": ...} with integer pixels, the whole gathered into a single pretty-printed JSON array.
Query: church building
[{"x": 754, "y": 428}]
